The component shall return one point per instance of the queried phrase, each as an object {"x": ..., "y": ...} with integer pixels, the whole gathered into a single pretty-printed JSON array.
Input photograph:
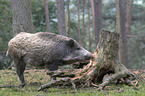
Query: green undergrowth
[{"x": 34, "y": 78}]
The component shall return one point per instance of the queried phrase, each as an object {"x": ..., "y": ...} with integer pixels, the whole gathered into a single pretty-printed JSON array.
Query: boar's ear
[{"x": 71, "y": 43}]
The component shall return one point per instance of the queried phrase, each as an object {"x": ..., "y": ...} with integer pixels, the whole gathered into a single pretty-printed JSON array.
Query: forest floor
[{"x": 35, "y": 77}]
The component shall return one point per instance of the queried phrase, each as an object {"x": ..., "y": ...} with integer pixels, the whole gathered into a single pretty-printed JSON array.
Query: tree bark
[
  {"x": 106, "y": 67},
  {"x": 47, "y": 16},
  {"x": 22, "y": 16},
  {"x": 61, "y": 17}
]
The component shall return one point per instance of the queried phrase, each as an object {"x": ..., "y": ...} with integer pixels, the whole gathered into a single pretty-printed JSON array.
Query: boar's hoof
[{"x": 21, "y": 85}]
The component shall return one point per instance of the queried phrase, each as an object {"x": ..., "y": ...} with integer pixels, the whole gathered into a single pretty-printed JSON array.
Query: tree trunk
[
  {"x": 106, "y": 67},
  {"x": 89, "y": 33},
  {"x": 22, "y": 16},
  {"x": 98, "y": 18},
  {"x": 61, "y": 17},
  {"x": 123, "y": 32},
  {"x": 93, "y": 14},
  {"x": 83, "y": 39},
  {"x": 47, "y": 16},
  {"x": 118, "y": 30},
  {"x": 128, "y": 23},
  {"x": 68, "y": 13},
  {"x": 79, "y": 32},
  {"x": 128, "y": 16}
]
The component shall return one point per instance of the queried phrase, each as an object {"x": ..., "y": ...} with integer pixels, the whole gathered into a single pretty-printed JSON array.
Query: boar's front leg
[
  {"x": 54, "y": 66},
  {"x": 20, "y": 67}
]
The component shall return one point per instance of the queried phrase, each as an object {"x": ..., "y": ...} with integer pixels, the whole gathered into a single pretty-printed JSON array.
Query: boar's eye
[
  {"x": 78, "y": 48},
  {"x": 71, "y": 43}
]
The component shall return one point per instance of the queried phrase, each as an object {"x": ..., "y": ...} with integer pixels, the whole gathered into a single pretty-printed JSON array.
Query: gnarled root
[
  {"x": 122, "y": 76},
  {"x": 61, "y": 81}
]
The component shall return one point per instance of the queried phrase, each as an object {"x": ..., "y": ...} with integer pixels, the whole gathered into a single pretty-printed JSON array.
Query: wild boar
[{"x": 46, "y": 50}]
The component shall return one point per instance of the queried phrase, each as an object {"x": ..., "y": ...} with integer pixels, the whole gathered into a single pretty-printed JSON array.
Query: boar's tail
[{"x": 7, "y": 53}]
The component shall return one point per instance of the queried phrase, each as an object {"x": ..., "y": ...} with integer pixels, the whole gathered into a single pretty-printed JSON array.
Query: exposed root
[
  {"x": 55, "y": 82},
  {"x": 94, "y": 85}
]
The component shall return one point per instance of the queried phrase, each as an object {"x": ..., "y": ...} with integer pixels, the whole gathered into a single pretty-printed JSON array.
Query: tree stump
[{"x": 106, "y": 67}]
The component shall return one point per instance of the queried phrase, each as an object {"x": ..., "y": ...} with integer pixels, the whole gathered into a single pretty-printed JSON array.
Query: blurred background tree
[
  {"x": 5, "y": 24},
  {"x": 79, "y": 21},
  {"x": 22, "y": 16}
]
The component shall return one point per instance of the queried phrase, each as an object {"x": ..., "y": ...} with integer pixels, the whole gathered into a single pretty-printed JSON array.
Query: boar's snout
[{"x": 89, "y": 56}]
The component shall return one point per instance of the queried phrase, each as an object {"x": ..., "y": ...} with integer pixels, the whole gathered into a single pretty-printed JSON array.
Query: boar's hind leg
[{"x": 20, "y": 67}]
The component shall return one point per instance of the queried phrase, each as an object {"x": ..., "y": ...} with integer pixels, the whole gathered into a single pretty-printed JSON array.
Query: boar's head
[{"x": 76, "y": 53}]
